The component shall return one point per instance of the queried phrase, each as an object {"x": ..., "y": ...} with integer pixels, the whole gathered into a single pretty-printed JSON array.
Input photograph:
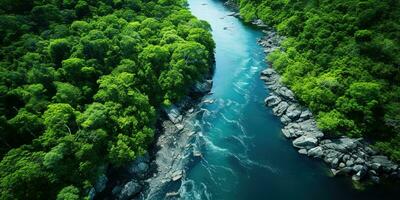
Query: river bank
[{"x": 344, "y": 156}]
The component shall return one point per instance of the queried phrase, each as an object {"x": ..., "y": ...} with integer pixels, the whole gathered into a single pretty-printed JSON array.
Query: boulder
[
  {"x": 203, "y": 87},
  {"x": 268, "y": 72},
  {"x": 384, "y": 163},
  {"x": 177, "y": 175},
  {"x": 272, "y": 100},
  {"x": 173, "y": 114},
  {"x": 306, "y": 114},
  {"x": 303, "y": 151},
  {"x": 305, "y": 142},
  {"x": 285, "y": 119},
  {"x": 101, "y": 183},
  {"x": 286, "y": 93},
  {"x": 293, "y": 111},
  {"x": 129, "y": 190},
  {"x": 316, "y": 152},
  {"x": 280, "y": 109}
]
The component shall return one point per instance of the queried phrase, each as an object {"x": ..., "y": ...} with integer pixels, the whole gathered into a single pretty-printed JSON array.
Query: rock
[
  {"x": 285, "y": 119},
  {"x": 358, "y": 168},
  {"x": 305, "y": 142},
  {"x": 375, "y": 166},
  {"x": 346, "y": 157},
  {"x": 179, "y": 126},
  {"x": 341, "y": 165},
  {"x": 303, "y": 151},
  {"x": 316, "y": 152},
  {"x": 293, "y": 111},
  {"x": 101, "y": 183},
  {"x": 343, "y": 171},
  {"x": 268, "y": 72},
  {"x": 177, "y": 175},
  {"x": 280, "y": 109},
  {"x": 360, "y": 161},
  {"x": 375, "y": 179},
  {"x": 172, "y": 194},
  {"x": 173, "y": 114},
  {"x": 349, "y": 163},
  {"x": 272, "y": 100},
  {"x": 116, "y": 190},
  {"x": 286, "y": 93},
  {"x": 335, "y": 162},
  {"x": 129, "y": 190},
  {"x": 384, "y": 162},
  {"x": 203, "y": 87},
  {"x": 306, "y": 114}
]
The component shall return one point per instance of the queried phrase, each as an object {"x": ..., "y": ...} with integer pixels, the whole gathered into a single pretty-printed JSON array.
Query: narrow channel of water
[{"x": 245, "y": 156}]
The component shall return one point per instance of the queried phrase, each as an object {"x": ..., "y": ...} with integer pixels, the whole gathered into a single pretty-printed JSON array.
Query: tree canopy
[{"x": 80, "y": 85}]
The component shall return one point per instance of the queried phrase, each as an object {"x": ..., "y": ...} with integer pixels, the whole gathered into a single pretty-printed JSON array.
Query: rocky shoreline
[{"x": 345, "y": 156}]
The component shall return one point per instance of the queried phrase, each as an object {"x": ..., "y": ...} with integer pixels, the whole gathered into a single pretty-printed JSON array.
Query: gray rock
[
  {"x": 303, "y": 151},
  {"x": 129, "y": 190},
  {"x": 293, "y": 111},
  {"x": 285, "y": 119},
  {"x": 305, "y": 142},
  {"x": 375, "y": 179},
  {"x": 173, "y": 114},
  {"x": 268, "y": 72},
  {"x": 341, "y": 165},
  {"x": 203, "y": 87},
  {"x": 280, "y": 109},
  {"x": 176, "y": 175},
  {"x": 272, "y": 100},
  {"x": 359, "y": 161},
  {"x": 385, "y": 163},
  {"x": 306, "y": 114},
  {"x": 349, "y": 162},
  {"x": 335, "y": 162},
  {"x": 286, "y": 93},
  {"x": 316, "y": 152},
  {"x": 358, "y": 168},
  {"x": 343, "y": 171},
  {"x": 101, "y": 183},
  {"x": 375, "y": 166}
]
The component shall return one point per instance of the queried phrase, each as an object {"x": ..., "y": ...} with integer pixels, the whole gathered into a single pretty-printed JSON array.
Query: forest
[
  {"x": 81, "y": 83},
  {"x": 341, "y": 59}
]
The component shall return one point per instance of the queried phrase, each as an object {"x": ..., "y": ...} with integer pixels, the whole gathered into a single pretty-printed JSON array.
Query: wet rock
[
  {"x": 316, "y": 152},
  {"x": 176, "y": 175},
  {"x": 101, "y": 183},
  {"x": 272, "y": 100},
  {"x": 303, "y": 151},
  {"x": 203, "y": 87},
  {"x": 293, "y": 111},
  {"x": 350, "y": 162},
  {"x": 286, "y": 93},
  {"x": 129, "y": 190},
  {"x": 285, "y": 120},
  {"x": 280, "y": 109},
  {"x": 341, "y": 165},
  {"x": 173, "y": 114},
  {"x": 306, "y": 114},
  {"x": 305, "y": 142}
]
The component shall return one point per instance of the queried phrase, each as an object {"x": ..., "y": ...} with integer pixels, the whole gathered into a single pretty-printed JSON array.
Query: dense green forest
[
  {"x": 342, "y": 60},
  {"x": 80, "y": 85}
]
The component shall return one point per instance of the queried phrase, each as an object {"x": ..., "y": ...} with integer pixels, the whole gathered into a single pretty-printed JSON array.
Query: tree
[
  {"x": 68, "y": 193},
  {"x": 59, "y": 50}
]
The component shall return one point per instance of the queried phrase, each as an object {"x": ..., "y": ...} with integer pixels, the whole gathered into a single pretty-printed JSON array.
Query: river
[{"x": 244, "y": 154}]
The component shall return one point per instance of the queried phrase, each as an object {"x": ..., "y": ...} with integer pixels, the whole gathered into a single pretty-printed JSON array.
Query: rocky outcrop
[{"x": 345, "y": 156}]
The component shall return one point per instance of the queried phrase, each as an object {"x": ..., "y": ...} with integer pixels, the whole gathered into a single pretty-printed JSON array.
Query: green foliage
[
  {"x": 80, "y": 82},
  {"x": 341, "y": 59}
]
